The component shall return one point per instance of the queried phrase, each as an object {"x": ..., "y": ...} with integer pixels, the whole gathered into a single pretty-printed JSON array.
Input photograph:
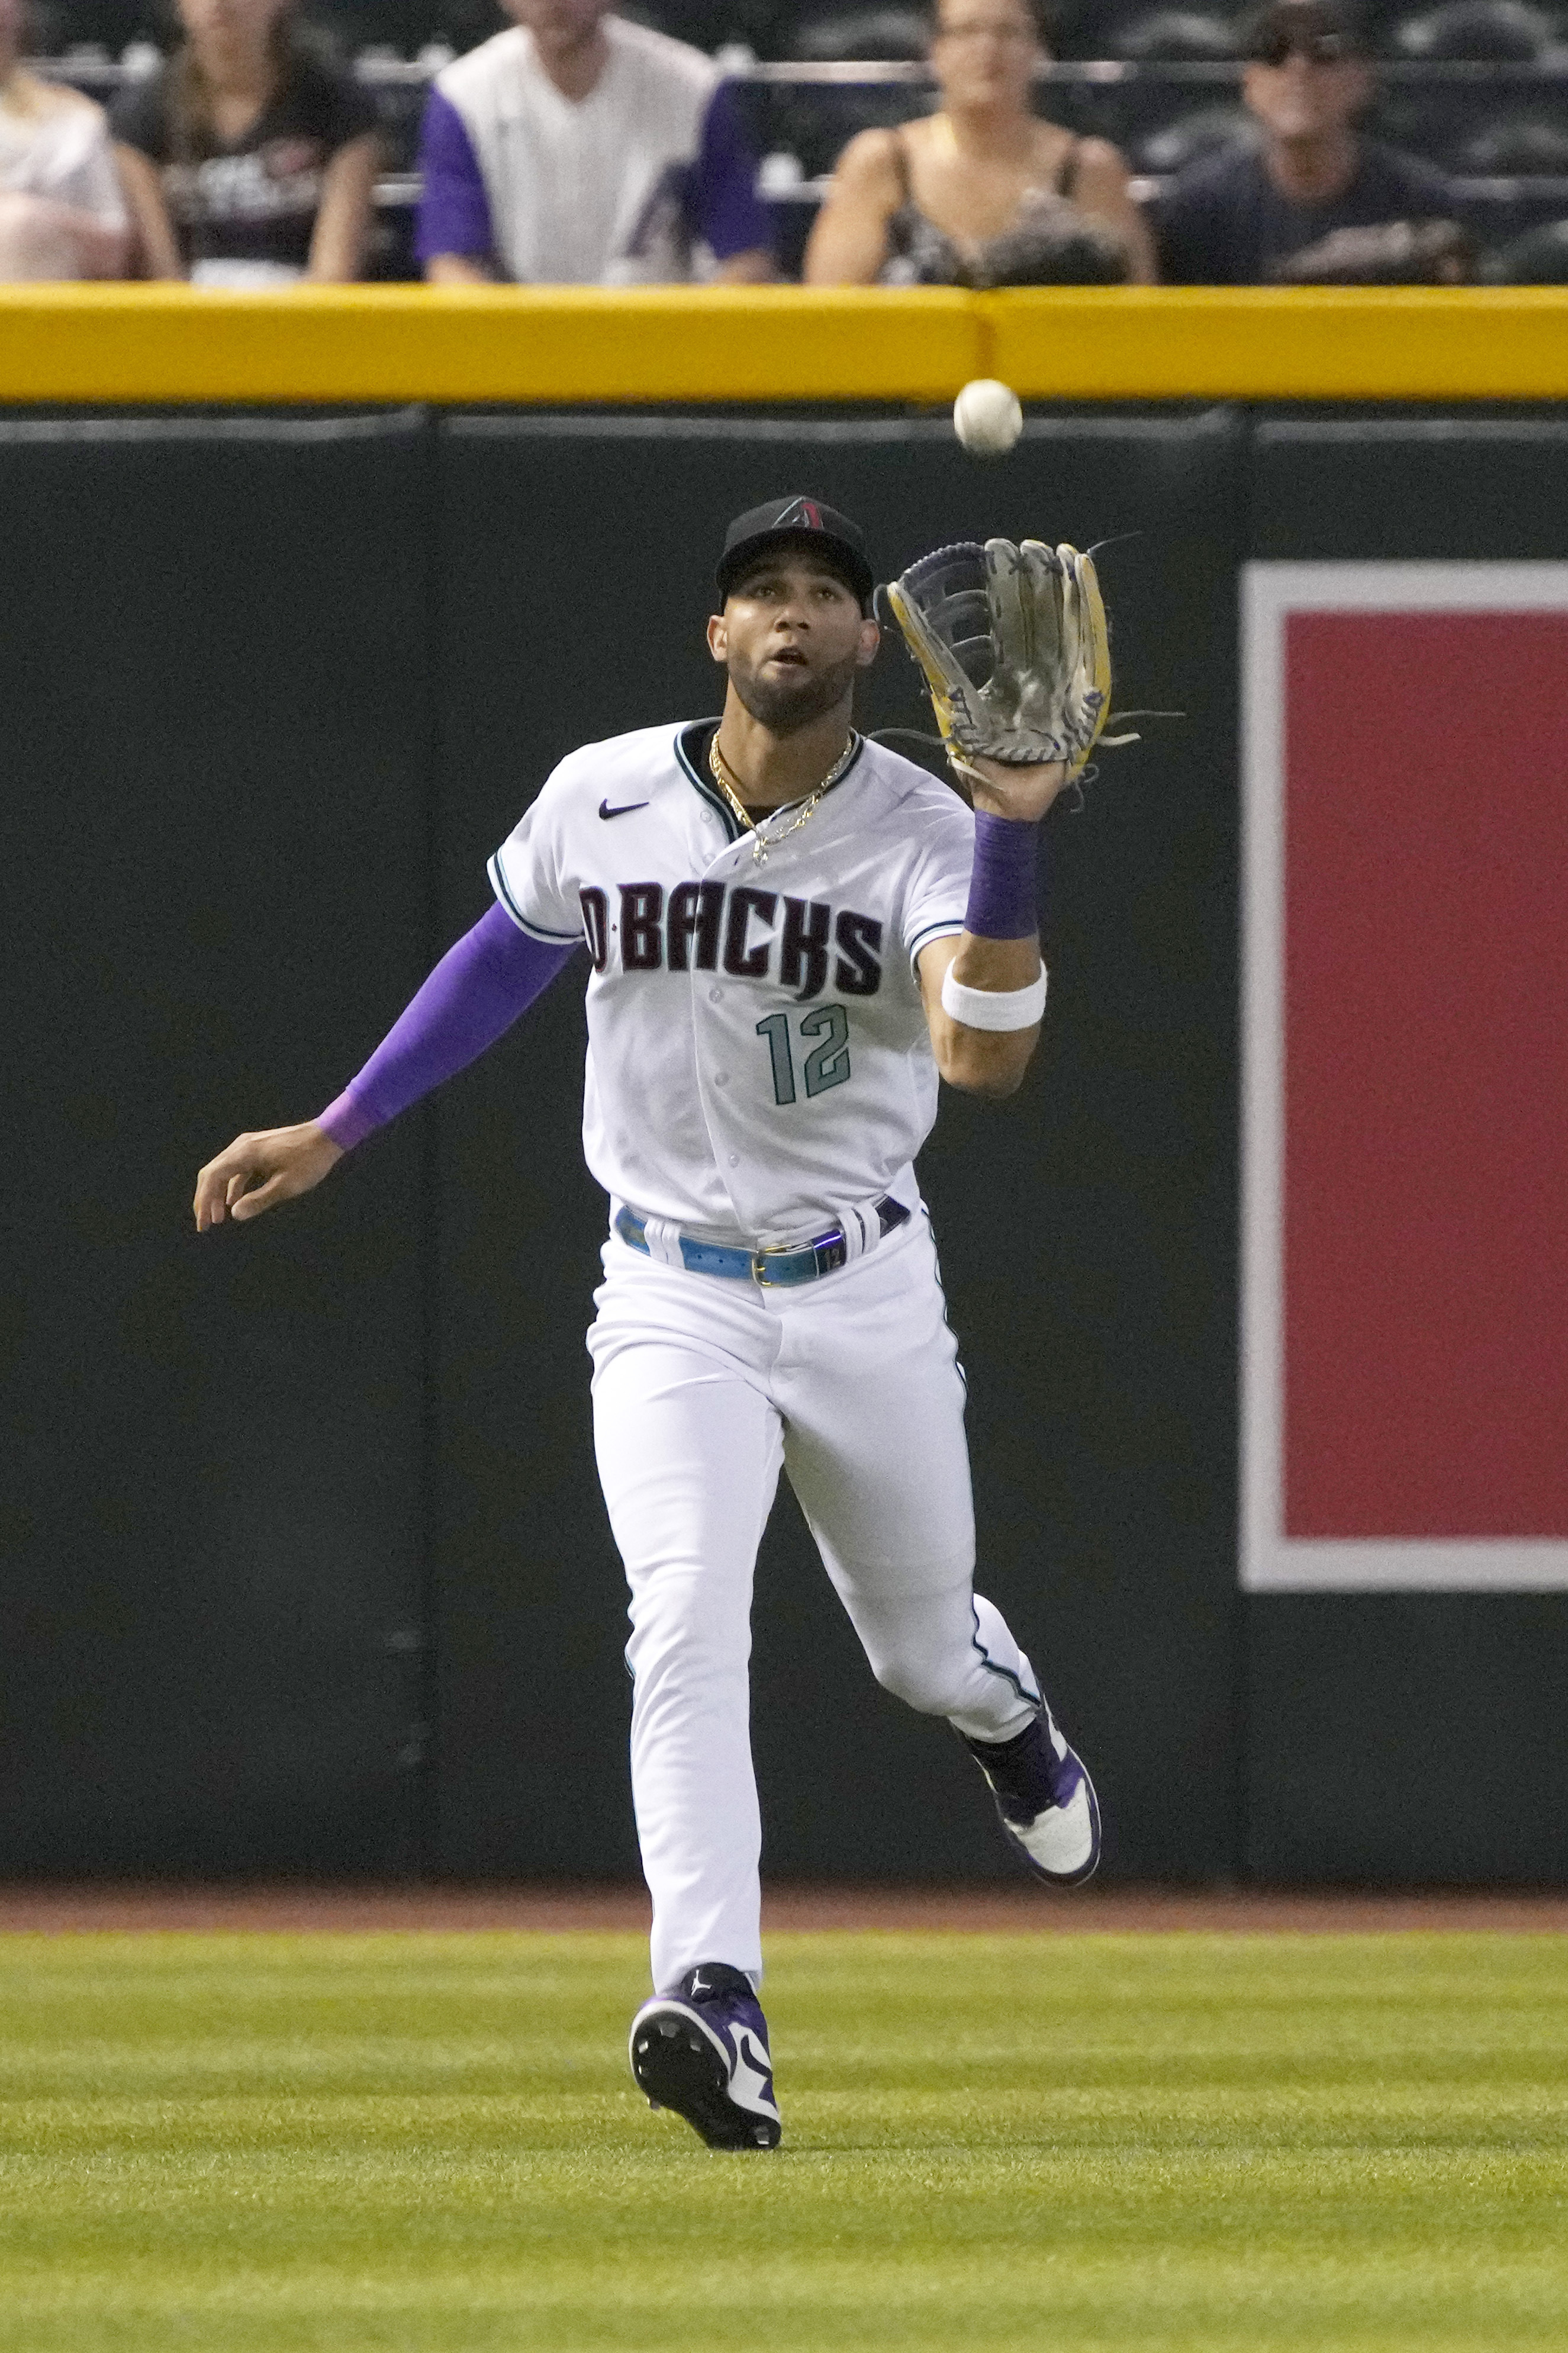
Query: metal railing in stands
[{"x": 90, "y": 67}]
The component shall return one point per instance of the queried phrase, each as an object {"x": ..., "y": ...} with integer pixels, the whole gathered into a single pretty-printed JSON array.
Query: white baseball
[{"x": 987, "y": 417}]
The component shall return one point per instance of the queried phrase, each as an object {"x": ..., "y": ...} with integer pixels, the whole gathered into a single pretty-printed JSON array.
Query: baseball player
[{"x": 791, "y": 932}]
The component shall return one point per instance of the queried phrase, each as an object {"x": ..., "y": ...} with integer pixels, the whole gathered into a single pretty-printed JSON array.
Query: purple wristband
[{"x": 1004, "y": 884}]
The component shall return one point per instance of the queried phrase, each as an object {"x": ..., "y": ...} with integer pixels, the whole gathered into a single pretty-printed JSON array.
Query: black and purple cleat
[
  {"x": 703, "y": 2051},
  {"x": 1046, "y": 1799}
]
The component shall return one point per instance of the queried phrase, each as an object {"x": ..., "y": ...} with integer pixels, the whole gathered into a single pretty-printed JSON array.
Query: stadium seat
[
  {"x": 1511, "y": 145},
  {"x": 1539, "y": 258},
  {"x": 1494, "y": 32},
  {"x": 1191, "y": 138},
  {"x": 711, "y": 25},
  {"x": 57, "y": 26},
  {"x": 1078, "y": 27},
  {"x": 1132, "y": 111},
  {"x": 816, "y": 123},
  {"x": 889, "y": 34},
  {"x": 1174, "y": 36}
]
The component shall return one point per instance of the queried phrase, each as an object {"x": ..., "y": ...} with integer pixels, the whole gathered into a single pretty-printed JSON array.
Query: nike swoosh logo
[
  {"x": 750, "y": 2078},
  {"x": 624, "y": 810}
]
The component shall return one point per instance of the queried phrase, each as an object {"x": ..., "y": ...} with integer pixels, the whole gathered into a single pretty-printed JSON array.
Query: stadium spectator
[
  {"x": 62, "y": 209},
  {"x": 1311, "y": 199},
  {"x": 249, "y": 158},
  {"x": 984, "y": 193},
  {"x": 578, "y": 149}
]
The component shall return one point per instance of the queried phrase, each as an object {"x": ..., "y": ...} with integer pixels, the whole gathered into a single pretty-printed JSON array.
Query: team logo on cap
[{"x": 806, "y": 513}]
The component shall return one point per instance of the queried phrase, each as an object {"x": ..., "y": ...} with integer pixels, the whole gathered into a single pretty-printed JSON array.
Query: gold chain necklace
[{"x": 724, "y": 777}]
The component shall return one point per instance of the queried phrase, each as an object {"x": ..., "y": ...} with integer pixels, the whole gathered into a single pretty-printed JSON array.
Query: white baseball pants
[{"x": 702, "y": 1388}]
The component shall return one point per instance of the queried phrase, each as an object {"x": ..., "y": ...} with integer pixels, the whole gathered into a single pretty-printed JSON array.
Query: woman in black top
[
  {"x": 248, "y": 160},
  {"x": 984, "y": 193}
]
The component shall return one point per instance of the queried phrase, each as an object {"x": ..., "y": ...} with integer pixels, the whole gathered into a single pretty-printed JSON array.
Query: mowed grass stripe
[{"x": 261, "y": 2142}]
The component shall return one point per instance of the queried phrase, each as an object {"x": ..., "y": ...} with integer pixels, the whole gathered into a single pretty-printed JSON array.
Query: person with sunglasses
[{"x": 1309, "y": 198}]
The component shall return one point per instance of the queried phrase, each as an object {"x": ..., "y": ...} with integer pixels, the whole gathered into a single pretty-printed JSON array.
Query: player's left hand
[
  {"x": 1022, "y": 793},
  {"x": 260, "y": 1169}
]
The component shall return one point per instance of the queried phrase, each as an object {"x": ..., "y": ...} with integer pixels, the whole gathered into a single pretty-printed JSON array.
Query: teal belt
[{"x": 776, "y": 1268}]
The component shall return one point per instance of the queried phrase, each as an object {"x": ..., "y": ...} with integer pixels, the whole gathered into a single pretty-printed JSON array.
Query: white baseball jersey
[{"x": 759, "y": 1063}]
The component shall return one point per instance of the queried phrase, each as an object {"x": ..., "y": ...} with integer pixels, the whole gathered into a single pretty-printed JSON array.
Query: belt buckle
[
  {"x": 827, "y": 1252},
  {"x": 760, "y": 1266}
]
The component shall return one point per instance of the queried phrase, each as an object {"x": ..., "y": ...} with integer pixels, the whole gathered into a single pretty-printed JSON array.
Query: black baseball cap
[
  {"x": 838, "y": 541},
  {"x": 1326, "y": 29}
]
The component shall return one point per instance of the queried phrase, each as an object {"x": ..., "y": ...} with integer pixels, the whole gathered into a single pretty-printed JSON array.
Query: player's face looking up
[{"x": 792, "y": 636}]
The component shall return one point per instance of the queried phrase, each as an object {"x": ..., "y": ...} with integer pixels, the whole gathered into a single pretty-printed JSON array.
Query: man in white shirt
[{"x": 578, "y": 149}]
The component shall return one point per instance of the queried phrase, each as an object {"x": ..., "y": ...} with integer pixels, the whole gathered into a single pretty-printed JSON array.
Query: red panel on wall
[{"x": 1426, "y": 1074}]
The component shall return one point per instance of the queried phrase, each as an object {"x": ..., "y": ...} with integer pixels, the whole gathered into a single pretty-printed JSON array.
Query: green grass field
[{"x": 430, "y": 2142}]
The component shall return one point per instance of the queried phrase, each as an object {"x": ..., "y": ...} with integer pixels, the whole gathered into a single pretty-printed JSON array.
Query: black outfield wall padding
[
  {"x": 214, "y": 664},
  {"x": 1407, "y": 1736},
  {"x": 1409, "y": 489},
  {"x": 278, "y": 1504}
]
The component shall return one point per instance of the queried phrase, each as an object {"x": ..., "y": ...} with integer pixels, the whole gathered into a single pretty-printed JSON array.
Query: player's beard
[{"x": 785, "y": 705}]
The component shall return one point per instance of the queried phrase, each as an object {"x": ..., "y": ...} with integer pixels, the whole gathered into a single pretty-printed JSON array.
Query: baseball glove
[{"x": 1014, "y": 646}]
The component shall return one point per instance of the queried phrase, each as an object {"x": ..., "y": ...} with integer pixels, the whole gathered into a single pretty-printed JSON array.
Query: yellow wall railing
[{"x": 565, "y": 345}]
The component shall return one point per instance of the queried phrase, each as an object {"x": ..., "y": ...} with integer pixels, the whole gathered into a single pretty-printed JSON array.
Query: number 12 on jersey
[{"x": 827, "y": 1065}]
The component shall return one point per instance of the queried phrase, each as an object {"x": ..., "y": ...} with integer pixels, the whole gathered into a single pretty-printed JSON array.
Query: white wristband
[{"x": 994, "y": 1008}]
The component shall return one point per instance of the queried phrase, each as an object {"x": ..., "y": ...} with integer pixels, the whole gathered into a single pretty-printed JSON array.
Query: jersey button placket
[{"x": 718, "y": 1080}]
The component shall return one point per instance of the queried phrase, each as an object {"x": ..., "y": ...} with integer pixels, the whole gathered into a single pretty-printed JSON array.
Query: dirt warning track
[{"x": 59, "y": 1909}]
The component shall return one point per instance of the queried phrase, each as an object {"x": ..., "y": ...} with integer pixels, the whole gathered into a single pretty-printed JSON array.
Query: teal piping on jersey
[
  {"x": 948, "y": 928},
  {"x": 497, "y": 885},
  {"x": 1033, "y": 1698},
  {"x": 715, "y": 799},
  {"x": 942, "y": 1294}
]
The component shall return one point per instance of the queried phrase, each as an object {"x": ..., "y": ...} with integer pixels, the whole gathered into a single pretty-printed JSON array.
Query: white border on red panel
[{"x": 1270, "y": 1561}]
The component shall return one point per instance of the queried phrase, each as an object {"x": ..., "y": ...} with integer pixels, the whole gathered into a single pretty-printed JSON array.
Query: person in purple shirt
[{"x": 579, "y": 149}]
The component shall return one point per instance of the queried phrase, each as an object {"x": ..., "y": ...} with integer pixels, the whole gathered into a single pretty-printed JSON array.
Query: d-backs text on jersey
[{"x": 708, "y": 927}]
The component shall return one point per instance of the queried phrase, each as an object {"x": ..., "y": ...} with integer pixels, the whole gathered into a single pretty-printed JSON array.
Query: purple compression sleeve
[
  {"x": 475, "y": 993},
  {"x": 1004, "y": 884}
]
